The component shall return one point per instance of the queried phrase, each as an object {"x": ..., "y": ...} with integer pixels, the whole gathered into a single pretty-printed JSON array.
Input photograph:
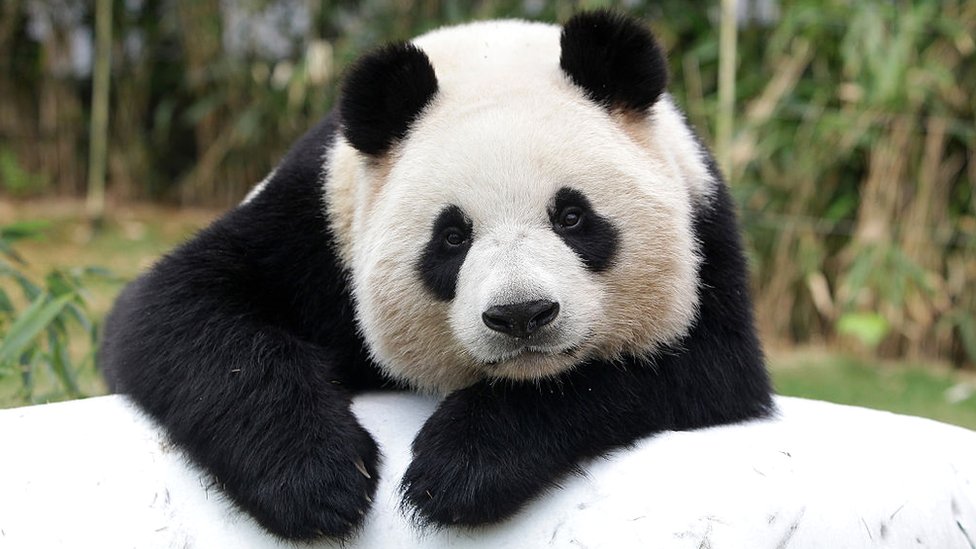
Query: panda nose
[{"x": 520, "y": 319}]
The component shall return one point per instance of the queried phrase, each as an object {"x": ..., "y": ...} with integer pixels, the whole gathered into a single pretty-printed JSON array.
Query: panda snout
[{"x": 520, "y": 320}]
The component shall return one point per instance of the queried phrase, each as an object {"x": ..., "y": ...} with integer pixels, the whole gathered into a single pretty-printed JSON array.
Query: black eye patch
[
  {"x": 592, "y": 236},
  {"x": 450, "y": 240}
]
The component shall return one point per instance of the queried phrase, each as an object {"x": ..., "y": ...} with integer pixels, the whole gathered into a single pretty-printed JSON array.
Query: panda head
[{"x": 512, "y": 199}]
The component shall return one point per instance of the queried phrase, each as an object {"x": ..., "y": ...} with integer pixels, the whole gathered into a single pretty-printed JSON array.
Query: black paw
[
  {"x": 457, "y": 479},
  {"x": 325, "y": 493}
]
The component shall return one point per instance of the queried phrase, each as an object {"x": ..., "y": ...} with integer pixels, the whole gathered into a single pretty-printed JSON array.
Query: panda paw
[
  {"x": 467, "y": 476},
  {"x": 465, "y": 487},
  {"x": 327, "y": 494}
]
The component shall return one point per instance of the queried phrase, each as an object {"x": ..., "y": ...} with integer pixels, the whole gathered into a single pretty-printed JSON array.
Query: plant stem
[
  {"x": 97, "y": 153},
  {"x": 726, "y": 87}
]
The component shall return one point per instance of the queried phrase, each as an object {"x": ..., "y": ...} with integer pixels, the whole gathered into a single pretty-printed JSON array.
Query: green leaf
[
  {"x": 30, "y": 290},
  {"x": 869, "y": 328},
  {"x": 22, "y": 229},
  {"x": 76, "y": 312},
  {"x": 29, "y": 324},
  {"x": 26, "y": 365},
  {"x": 96, "y": 272},
  {"x": 7, "y": 250},
  {"x": 61, "y": 360},
  {"x": 5, "y": 305}
]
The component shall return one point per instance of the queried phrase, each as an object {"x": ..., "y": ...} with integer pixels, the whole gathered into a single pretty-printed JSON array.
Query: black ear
[
  {"x": 383, "y": 94},
  {"x": 615, "y": 59}
]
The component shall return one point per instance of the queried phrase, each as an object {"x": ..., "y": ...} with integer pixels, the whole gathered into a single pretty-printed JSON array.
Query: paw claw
[{"x": 361, "y": 467}]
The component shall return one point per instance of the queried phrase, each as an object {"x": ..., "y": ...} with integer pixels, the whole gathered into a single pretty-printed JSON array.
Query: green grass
[
  {"x": 135, "y": 236},
  {"x": 913, "y": 389}
]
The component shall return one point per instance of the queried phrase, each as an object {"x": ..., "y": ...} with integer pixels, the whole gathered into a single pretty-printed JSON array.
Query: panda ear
[
  {"x": 383, "y": 94},
  {"x": 615, "y": 59}
]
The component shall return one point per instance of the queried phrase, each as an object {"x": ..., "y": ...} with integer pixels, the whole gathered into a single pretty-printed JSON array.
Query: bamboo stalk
[
  {"x": 726, "y": 86},
  {"x": 97, "y": 153}
]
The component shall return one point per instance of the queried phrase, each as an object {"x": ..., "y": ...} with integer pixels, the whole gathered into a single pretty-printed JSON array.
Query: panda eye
[
  {"x": 453, "y": 237},
  {"x": 570, "y": 217}
]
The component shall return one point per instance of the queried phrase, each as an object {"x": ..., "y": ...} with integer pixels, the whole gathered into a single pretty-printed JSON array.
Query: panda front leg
[
  {"x": 484, "y": 453},
  {"x": 492, "y": 447},
  {"x": 253, "y": 405}
]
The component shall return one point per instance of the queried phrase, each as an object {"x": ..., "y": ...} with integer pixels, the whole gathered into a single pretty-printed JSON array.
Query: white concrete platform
[{"x": 95, "y": 473}]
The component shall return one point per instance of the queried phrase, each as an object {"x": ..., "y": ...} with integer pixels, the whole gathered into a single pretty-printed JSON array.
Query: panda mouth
[{"x": 533, "y": 351}]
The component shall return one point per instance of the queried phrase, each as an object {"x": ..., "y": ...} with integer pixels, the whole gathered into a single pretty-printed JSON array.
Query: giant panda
[{"x": 512, "y": 215}]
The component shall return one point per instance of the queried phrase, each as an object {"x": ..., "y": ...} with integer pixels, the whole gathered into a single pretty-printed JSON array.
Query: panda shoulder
[{"x": 303, "y": 168}]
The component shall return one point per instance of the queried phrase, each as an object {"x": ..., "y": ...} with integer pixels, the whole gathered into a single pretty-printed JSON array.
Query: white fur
[{"x": 507, "y": 130}]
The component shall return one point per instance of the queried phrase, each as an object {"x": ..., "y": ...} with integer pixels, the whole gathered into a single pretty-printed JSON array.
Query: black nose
[{"x": 520, "y": 319}]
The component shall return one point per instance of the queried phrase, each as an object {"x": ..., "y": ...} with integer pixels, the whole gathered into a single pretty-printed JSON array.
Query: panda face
[
  {"x": 526, "y": 299},
  {"x": 516, "y": 232}
]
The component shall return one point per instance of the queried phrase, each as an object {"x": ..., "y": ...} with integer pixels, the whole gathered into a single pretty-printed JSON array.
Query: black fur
[
  {"x": 384, "y": 92},
  {"x": 593, "y": 237},
  {"x": 615, "y": 59},
  {"x": 242, "y": 344},
  {"x": 441, "y": 262}
]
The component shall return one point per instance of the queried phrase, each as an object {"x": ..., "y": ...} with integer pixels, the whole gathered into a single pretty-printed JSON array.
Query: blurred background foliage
[
  {"x": 851, "y": 155},
  {"x": 37, "y": 341}
]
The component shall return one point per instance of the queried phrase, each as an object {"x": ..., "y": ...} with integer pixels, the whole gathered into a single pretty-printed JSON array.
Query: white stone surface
[{"x": 96, "y": 473}]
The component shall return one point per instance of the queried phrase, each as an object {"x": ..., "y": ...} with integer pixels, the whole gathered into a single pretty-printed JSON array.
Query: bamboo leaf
[
  {"x": 58, "y": 283},
  {"x": 61, "y": 360},
  {"x": 28, "y": 362},
  {"x": 90, "y": 271},
  {"x": 7, "y": 250},
  {"x": 29, "y": 324},
  {"x": 76, "y": 312},
  {"x": 6, "y": 307},
  {"x": 30, "y": 290}
]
